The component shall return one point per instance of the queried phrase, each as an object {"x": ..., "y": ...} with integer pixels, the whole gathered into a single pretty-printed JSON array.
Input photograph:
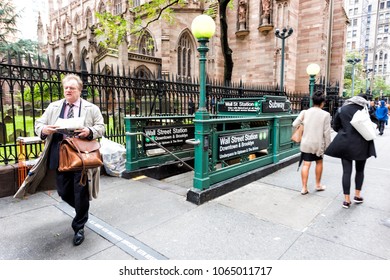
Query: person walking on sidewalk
[
  {"x": 315, "y": 139},
  {"x": 45, "y": 175},
  {"x": 382, "y": 116},
  {"x": 349, "y": 146}
]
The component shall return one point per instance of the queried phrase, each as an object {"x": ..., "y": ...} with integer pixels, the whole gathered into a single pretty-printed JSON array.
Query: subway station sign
[
  {"x": 167, "y": 136},
  {"x": 243, "y": 105},
  {"x": 232, "y": 145},
  {"x": 265, "y": 104},
  {"x": 275, "y": 104}
]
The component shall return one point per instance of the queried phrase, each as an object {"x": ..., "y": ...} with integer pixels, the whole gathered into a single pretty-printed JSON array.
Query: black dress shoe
[{"x": 78, "y": 237}]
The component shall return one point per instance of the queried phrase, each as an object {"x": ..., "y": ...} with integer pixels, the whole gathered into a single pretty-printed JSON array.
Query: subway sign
[
  {"x": 240, "y": 143},
  {"x": 167, "y": 136},
  {"x": 254, "y": 106},
  {"x": 243, "y": 105},
  {"x": 275, "y": 104}
]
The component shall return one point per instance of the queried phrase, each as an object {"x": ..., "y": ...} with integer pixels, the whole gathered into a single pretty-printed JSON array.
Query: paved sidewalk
[{"x": 267, "y": 219}]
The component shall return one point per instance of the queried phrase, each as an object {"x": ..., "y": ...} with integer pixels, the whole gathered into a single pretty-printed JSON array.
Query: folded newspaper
[{"x": 68, "y": 126}]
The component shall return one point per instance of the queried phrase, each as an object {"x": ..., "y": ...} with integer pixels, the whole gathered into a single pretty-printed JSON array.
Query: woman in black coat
[{"x": 350, "y": 146}]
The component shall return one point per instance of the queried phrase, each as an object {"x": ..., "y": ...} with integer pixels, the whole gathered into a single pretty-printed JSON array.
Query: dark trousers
[
  {"x": 381, "y": 126},
  {"x": 347, "y": 171},
  {"x": 75, "y": 195}
]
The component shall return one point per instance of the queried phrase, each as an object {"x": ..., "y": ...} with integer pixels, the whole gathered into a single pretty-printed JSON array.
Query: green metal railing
[{"x": 215, "y": 168}]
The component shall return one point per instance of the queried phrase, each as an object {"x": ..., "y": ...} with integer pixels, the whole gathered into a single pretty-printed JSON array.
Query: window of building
[
  {"x": 117, "y": 7},
  {"x": 184, "y": 56},
  {"x": 77, "y": 23},
  {"x": 356, "y": 1},
  {"x": 388, "y": 4},
  {"x": 58, "y": 61},
  {"x": 387, "y": 15},
  {"x": 350, "y": 12},
  {"x": 349, "y": 34},
  {"x": 136, "y": 3},
  {"x": 89, "y": 18},
  {"x": 55, "y": 32},
  {"x": 381, "y": 55},
  {"x": 102, "y": 7},
  {"x": 354, "y": 33},
  {"x": 355, "y": 22},
  {"x": 386, "y": 28},
  {"x": 146, "y": 45},
  {"x": 355, "y": 11},
  {"x": 385, "y": 40},
  {"x": 70, "y": 61},
  {"x": 384, "y": 68},
  {"x": 353, "y": 45},
  {"x": 382, "y": 5},
  {"x": 349, "y": 45},
  {"x": 64, "y": 28},
  {"x": 369, "y": 8}
]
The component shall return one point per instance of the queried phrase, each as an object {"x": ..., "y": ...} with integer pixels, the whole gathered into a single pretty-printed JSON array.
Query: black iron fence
[{"x": 26, "y": 89}]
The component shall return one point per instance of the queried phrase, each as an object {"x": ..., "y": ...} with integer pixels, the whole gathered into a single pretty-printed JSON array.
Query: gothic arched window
[
  {"x": 70, "y": 61},
  {"x": 146, "y": 44},
  {"x": 89, "y": 18},
  {"x": 117, "y": 7},
  {"x": 102, "y": 7},
  {"x": 77, "y": 23},
  {"x": 184, "y": 56},
  {"x": 55, "y": 32}
]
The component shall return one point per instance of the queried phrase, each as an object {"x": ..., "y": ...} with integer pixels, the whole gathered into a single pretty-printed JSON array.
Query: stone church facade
[{"x": 319, "y": 35}]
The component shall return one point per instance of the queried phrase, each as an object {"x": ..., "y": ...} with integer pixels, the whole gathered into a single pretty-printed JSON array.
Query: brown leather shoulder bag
[{"x": 78, "y": 154}]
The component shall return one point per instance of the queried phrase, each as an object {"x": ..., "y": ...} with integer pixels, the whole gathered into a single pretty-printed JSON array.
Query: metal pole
[
  {"x": 202, "y": 129},
  {"x": 282, "y": 68},
  {"x": 311, "y": 88},
  {"x": 353, "y": 78},
  {"x": 283, "y": 35}
]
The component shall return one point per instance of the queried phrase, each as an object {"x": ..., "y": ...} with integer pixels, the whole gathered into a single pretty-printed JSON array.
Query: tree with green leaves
[
  {"x": 8, "y": 19},
  {"x": 113, "y": 28},
  {"x": 22, "y": 47},
  {"x": 380, "y": 88}
]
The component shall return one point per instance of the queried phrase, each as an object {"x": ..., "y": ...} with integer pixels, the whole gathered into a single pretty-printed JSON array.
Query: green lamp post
[
  {"x": 353, "y": 61},
  {"x": 203, "y": 28},
  {"x": 283, "y": 35},
  {"x": 312, "y": 70}
]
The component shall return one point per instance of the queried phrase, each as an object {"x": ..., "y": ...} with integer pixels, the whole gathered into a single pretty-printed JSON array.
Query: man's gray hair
[{"x": 73, "y": 77}]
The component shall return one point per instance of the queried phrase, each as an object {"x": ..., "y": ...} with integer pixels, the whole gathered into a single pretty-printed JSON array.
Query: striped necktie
[{"x": 70, "y": 112}]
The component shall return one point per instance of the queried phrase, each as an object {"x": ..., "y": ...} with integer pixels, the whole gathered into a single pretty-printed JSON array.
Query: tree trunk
[{"x": 226, "y": 51}]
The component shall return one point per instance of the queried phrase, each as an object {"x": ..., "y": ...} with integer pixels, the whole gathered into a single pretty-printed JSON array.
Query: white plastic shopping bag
[
  {"x": 114, "y": 157},
  {"x": 362, "y": 123}
]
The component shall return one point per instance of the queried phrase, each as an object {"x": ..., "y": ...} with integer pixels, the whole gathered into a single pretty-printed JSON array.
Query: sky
[{"x": 28, "y": 20}]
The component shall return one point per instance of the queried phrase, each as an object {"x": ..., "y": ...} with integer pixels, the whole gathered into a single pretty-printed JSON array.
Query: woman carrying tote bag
[
  {"x": 349, "y": 146},
  {"x": 315, "y": 139}
]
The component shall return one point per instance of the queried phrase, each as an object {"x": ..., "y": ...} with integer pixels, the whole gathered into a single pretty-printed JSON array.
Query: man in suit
[{"x": 45, "y": 173}]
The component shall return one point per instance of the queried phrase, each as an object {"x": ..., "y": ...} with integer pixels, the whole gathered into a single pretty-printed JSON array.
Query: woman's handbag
[
  {"x": 361, "y": 121},
  {"x": 78, "y": 154},
  {"x": 297, "y": 135}
]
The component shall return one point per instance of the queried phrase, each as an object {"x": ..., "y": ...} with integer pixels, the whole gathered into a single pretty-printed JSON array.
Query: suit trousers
[{"x": 77, "y": 196}]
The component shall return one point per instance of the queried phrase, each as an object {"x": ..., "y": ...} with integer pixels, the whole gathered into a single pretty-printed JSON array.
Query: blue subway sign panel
[{"x": 235, "y": 144}]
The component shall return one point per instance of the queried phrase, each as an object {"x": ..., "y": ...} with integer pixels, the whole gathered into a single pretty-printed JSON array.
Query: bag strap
[{"x": 84, "y": 176}]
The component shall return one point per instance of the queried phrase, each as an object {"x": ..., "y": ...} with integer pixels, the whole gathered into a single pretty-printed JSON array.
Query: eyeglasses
[{"x": 70, "y": 88}]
